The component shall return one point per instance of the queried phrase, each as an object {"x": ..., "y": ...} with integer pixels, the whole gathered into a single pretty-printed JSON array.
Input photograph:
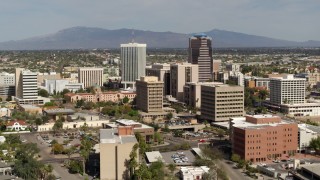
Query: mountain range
[{"x": 91, "y": 38}]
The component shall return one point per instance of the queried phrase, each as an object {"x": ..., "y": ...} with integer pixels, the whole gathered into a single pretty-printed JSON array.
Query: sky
[{"x": 296, "y": 20}]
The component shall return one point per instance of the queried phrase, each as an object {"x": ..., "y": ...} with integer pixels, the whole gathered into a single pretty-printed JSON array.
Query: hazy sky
[{"x": 285, "y": 19}]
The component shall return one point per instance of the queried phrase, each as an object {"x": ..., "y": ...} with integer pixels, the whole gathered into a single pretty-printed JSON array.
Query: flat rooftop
[
  {"x": 111, "y": 136},
  {"x": 59, "y": 110},
  {"x": 241, "y": 122},
  {"x": 127, "y": 122},
  {"x": 154, "y": 156}
]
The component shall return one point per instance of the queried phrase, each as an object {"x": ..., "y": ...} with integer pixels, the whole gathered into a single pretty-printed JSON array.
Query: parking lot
[
  {"x": 67, "y": 139},
  {"x": 179, "y": 157}
]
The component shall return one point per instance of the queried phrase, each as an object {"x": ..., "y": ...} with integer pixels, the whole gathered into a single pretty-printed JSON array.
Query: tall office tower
[
  {"x": 162, "y": 71},
  {"x": 115, "y": 148},
  {"x": 221, "y": 102},
  {"x": 287, "y": 90},
  {"x": 90, "y": 76},
  {"x": 7, "y": 85},
  {"x": 200, "y": 52},
  {"x": 149, "y": 94},
  {"x": 133, "y": 63},
  {"x": 26, "y": 84},
  {"x": 180, "y": 75}
]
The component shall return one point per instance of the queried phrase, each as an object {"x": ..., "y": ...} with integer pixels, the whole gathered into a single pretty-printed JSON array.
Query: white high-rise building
[
  {"x": 27, "y": 88},
  {"x": 133, "y": 63},
  {"x": 26, "y": 84},
  {"x": 287, "y": 90},
  {"x": 90, "y": 76}
]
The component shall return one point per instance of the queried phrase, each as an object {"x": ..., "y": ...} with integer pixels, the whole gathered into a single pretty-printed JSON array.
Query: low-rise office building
[
  {"x": 305, "y": 134},
  {"x": 260, "y": 138}
]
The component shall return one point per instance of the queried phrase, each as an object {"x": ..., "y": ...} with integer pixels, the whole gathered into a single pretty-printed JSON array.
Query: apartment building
[
  {"x": 221, "y": 102},
  {"x": 260, "y": 138},
  {"x": 180, "y": 75},
  {"x": 115, "y": 148},
  {"x": 90, "y": 76},
  {"x": 149, "y": 94},
  {"x": 287, "y": 90}
]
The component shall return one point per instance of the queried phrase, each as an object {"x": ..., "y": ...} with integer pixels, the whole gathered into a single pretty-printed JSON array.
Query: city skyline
[{"x": 289, "y": 20}]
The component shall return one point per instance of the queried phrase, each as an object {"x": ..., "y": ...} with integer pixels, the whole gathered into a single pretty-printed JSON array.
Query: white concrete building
[
  {"x": 59, "y": 85},
  {"x": 133, "y": 63},
  {"x": 73, "y": 125},
  {"x": 302, "y": 109},
  {"x": 287, "y": 90},
  {"x": 193, "y": 173},
  {"x": 305, "y": 134}
]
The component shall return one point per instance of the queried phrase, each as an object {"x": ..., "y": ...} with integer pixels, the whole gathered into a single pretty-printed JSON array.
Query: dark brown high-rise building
[{"x": 200, "y": 52}]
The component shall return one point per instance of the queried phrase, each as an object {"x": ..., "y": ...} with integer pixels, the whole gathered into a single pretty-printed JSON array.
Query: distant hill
[{"x": 90, "y": 38}]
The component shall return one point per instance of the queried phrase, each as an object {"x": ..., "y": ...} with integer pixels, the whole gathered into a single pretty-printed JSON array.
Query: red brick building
[{"x": 260, "y": 138}]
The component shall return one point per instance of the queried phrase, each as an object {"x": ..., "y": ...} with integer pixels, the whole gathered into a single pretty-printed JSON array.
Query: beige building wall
[
  {"x": 221, "y": 102},
  {"x": 162, "y": 71},
  {"x": 192, "y": 93},
  {"x": 48, "y": 76},
  {"x": 113, "y": 159},
  {"x": 149, "y": 94},
  {"x": 180, "y": 75}
]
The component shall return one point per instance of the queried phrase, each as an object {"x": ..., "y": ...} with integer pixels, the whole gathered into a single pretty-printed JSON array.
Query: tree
[
  {"x": 48, "y": 104},
  {"x": 58, "y": 125},
  {"x": 157, "y": 170},
  {"x": 75, "y": 167},
  {"x": 26, "y": 166},
  {"x": 57, "y": 148},
  {"x": 89, "y": 105},
  {"x": 172, "y": 167},
  {"x": 38, "y": 121},
  {"x": 65, "y": 91},
  {"x": 235, "y": 158},
  {"x": 221, "y": 133},
  {"x": 9, "y": 98},
  {"x": 315, "y": 144},
  {"x": 79, "y": 103},
  {"x": 143, "y": 173},
  {"x": 85, "y": 149},
  {"x": 43, "y": 93},
  {"x": 133, "y": 164},
  {"x": 263, "y": 94},
  {"x": 169, "y": 115},
  {"x": 125, "y": 100}
]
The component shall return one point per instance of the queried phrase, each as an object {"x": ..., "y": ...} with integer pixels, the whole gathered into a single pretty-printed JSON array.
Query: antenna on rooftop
[{"x": 132, "y": 36}]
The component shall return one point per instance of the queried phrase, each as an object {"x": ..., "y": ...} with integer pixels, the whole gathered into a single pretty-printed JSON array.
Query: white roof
[
  {"x": 133, "y": 45},
  {"x": 154, "y": 156}
]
